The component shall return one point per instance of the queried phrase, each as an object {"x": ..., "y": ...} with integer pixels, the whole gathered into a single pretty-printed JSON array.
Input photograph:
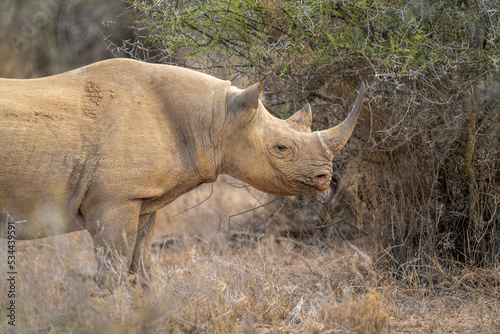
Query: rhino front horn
[{"x": 335, "y": 138}]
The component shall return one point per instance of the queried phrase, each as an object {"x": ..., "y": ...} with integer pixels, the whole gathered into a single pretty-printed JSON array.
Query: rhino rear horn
[
  {"x": 335, "y": 138},
  {"x": 302, "y": 119}
]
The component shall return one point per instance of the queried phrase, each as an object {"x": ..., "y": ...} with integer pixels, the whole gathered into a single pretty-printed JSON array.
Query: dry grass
[
  {"x": 204, "y": 284},
  {"x": 266, "y": 288}
]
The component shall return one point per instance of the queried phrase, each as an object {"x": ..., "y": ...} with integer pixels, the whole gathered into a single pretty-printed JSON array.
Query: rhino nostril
[
  {"x": 321, "y": 181},
  {"x": 322, "y": 177}
]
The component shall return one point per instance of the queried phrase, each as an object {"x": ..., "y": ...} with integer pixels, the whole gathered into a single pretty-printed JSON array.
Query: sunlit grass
[
  {"x": 205, "y": 281},
  {"x": 260, "y": 288}
]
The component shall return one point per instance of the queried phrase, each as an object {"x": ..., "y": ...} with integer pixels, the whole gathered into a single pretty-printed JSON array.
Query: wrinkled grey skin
[{"x": 105, "y": 146}]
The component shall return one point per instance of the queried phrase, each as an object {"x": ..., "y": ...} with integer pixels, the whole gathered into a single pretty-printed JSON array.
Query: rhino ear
[
  {"x": 249, "y": 97},
  {"x": 301, "y": 120}
]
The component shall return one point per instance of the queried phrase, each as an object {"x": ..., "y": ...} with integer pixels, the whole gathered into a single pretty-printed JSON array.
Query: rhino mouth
[
  {"x": 307, "y": 188},
  {"x": 319, "y": 182}
]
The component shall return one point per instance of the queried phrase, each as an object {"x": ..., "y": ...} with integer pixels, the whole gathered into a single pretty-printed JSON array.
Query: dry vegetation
[{"x": 206, "y": 282}]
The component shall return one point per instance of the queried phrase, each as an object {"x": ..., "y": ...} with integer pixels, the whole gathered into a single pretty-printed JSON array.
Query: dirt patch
[
  {"x": 33, "y": 116},
  {"x": 93, "y": 90},
  {"x": 93, "y": 95},
  {"x": 47, "y": 115}
]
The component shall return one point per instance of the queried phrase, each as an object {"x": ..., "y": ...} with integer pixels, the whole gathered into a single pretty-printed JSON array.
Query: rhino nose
[{"x": 322, "y": 181}]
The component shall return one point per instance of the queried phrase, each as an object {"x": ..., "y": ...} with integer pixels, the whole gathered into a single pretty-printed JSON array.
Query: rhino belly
[
  {"x": 37, "y": 220},
  {"x": 37, "y": 203}
]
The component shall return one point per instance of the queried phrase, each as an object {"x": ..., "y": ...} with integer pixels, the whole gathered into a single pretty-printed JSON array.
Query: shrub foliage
[{"x": 427, "y": 149}]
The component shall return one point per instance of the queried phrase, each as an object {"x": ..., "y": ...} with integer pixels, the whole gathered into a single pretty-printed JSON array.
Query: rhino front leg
[
  {"x": 141, "y": 259},
  {"x": 113, "y": 228}
]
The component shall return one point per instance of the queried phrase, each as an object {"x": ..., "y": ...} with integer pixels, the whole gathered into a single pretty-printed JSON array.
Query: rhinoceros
[{"x": 103, "y": 147}]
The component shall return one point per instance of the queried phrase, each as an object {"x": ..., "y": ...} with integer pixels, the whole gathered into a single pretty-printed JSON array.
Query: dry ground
[{"x": 205, "y": 284}]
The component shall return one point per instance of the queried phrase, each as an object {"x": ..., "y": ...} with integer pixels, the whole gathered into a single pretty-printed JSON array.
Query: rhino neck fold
[
  {"x": 209, "y": 150},
  {"x": 197, "y": 116}
]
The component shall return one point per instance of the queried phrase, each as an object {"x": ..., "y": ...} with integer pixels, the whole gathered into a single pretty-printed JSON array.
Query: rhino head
[{"x": 281, "y": 157}]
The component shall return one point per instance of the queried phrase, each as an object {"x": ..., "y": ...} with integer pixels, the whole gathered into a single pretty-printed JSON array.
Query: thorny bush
[{"x": 427, "y": 147}]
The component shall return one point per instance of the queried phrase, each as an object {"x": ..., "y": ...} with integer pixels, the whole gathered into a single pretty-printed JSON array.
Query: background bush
[{"x": 427, "y": 147}]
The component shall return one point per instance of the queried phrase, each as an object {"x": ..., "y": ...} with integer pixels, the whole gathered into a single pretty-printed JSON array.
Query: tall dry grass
[
  {"x": 205, "y": 282},
  {"x": 261, "y": 288}
]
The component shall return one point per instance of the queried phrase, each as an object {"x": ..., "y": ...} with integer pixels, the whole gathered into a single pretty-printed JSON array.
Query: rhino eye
[{"x": 281, "y": 148}]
